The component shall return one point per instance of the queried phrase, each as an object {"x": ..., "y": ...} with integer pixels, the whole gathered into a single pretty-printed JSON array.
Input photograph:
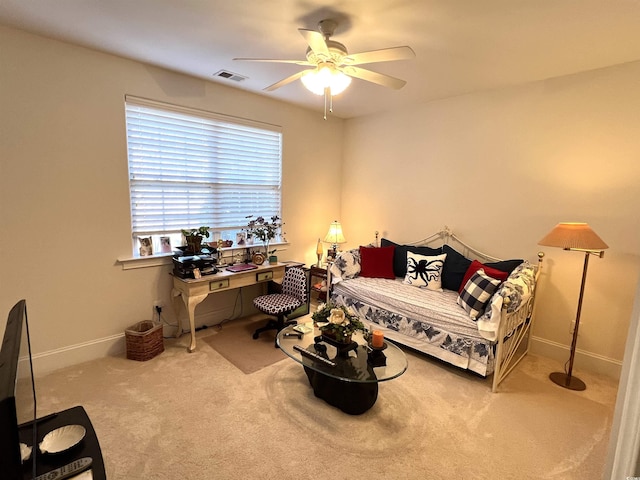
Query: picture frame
[{"x": 165, "y": 244}]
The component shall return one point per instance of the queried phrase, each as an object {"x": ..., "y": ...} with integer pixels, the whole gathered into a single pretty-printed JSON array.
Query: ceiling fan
[{"x": 333, "y": 66}]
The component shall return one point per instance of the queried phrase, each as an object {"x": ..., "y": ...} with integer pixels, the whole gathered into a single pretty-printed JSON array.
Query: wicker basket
[{"x": 144, "y": 340}]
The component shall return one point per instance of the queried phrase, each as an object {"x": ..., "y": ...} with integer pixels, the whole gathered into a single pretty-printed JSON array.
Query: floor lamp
[{"x": 578, "y": 237}]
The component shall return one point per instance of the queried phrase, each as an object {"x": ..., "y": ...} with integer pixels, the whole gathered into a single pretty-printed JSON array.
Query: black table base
[{"x": 350, "y": 397}]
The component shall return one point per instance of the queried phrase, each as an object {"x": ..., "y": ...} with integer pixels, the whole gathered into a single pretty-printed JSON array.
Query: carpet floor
[{"x": 198, "y": 416}]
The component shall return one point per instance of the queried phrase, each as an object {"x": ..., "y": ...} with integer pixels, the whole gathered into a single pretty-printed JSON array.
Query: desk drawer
[
  {"x": 263, "y": 276},
  {"x": 219, "y": 284}
]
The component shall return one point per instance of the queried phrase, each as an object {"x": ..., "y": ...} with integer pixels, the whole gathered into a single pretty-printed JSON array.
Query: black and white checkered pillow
[{"x": 477, "y": 292}]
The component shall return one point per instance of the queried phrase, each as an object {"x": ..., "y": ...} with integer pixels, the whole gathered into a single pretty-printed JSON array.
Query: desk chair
[{"x": 294, "y": 294}]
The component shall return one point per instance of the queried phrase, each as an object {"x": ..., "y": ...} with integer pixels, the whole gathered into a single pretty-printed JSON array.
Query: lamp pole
[{"x": 566, "y": 379}]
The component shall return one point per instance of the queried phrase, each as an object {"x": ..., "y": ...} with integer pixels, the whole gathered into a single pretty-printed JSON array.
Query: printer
[{"x": 184, "y": 266}]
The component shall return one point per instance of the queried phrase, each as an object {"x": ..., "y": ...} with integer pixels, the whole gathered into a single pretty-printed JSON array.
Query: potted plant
[
  {"x": 337, "y": 322},
  {"x": 264, "y": 230},
  {"x": 194, "y": 236}
]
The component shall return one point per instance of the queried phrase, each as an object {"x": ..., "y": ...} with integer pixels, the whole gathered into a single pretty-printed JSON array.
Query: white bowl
[
  {"x": 25, "y": 451},
  {"x": 62, "y": 438}
]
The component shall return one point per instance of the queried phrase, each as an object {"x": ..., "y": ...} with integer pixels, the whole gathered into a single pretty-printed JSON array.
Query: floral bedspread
[{"x": 428, "y": 321}]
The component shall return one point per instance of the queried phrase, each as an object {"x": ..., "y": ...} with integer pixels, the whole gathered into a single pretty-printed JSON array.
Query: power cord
[
  {"x": 162, "y": 320},
  {"x": 233, "y": 316}
]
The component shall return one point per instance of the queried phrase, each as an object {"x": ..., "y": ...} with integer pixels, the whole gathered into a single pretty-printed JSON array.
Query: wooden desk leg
[{"x": 191, "y": 303}]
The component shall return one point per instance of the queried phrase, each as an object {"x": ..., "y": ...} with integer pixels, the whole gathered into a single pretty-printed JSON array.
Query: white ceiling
[{"x": 461, "y": 46}]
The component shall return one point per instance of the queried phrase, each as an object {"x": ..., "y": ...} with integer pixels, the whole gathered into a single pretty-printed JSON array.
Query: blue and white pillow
[{"x": 345, "y": 266}]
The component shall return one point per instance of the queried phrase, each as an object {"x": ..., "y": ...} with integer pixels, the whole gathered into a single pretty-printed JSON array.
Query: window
[{"x": 189, "y": 168}]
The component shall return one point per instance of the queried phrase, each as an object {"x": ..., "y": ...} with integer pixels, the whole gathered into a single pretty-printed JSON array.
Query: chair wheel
[{"x": 255, "y": 336}]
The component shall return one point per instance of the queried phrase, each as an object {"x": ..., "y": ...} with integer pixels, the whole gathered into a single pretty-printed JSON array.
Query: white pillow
[{"x": 425, "y": 271}]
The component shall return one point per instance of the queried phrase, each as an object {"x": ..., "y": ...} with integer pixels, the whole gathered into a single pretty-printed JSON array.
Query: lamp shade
[
  {"x": 573, "y": 236},
  {"x": 334, "y": 235}
]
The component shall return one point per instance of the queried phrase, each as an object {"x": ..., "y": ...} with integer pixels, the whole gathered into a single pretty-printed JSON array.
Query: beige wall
[
  {"x": 64, "y": 207},
  {"x": 501, "y": 168}
]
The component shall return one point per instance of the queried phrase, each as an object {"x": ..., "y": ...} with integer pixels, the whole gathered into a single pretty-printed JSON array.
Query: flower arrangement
[
  {"x": 337, "y": 321},
  {"x": 263, "y": 230}
]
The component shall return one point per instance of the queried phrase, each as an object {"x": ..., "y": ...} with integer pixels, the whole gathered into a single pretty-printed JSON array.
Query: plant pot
[
  {"x": 194, "y": 244},
  {"x": 273, "y": 259},
  {"x": 330, "y": 338}
]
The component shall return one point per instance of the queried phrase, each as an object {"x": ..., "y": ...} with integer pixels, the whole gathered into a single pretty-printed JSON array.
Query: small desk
[{"x": 195, "y": 291}]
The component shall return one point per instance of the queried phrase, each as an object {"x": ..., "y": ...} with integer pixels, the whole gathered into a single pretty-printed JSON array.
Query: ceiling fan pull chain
[
  {"x": 325, "y": 102},
  {"x": 330, "y": 102}
]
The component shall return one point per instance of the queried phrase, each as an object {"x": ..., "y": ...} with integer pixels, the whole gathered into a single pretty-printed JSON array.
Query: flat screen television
[{"x": 10, "y": 457}]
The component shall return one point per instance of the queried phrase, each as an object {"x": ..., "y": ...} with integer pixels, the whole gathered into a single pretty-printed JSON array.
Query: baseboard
[
  {"x": 587, "y": 361},
  {"x": 47, "y": 362}
]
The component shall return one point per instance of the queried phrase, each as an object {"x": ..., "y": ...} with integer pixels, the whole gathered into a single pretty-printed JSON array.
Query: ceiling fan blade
[
  {"x": 284, "y": 81},
  {"x": 384, "y": 55},
  {"x": 316, "y": 43},
  {"x": 374, "y": 77},
  {"x": 304, "y": 63}
]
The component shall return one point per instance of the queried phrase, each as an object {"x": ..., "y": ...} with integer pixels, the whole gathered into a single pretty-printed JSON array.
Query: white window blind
[{"x": 189, "y": 168}]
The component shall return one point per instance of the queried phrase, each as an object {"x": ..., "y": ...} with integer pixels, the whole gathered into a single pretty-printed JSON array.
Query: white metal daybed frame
[{"x": 514, "y": 331}]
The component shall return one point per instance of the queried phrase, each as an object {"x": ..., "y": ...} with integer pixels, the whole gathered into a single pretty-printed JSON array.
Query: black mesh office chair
[{"x": 294, "y": 294}]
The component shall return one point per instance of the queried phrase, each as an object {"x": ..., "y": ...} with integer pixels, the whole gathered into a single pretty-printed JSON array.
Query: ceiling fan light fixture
[{"x": 325, "y": 76}]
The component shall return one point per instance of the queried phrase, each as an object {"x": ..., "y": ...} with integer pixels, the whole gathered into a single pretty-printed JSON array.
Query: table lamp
[
  {"x": 334, "y": 237},
  {"x": 577, "y": 237}
]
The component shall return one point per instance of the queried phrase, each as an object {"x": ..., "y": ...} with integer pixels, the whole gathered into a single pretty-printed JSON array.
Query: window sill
[
  {"x": 162, "y": 259},
  {"x": 157, "y": 260}
]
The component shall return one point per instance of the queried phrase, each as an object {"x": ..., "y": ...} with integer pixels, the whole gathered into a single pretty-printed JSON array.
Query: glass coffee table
[{"x": 346, "y": 377}]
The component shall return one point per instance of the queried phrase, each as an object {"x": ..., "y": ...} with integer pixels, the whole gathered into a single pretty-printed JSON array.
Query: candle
[{"x": 377, "y": 339}]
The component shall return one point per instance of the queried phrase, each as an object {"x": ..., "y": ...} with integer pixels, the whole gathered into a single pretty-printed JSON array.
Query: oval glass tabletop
[{"x": 355, "y": 363}]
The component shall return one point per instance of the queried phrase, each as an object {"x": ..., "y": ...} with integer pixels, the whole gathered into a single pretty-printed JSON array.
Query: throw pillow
[
  {"x": 400, "y": 254},
  {"x": 477, "y": 292},
  {"x": 492, "y": 272},
  {"x": 377, "y": 262},
  {"x": 454, "y": 268},
  {"x": 345, "y": 266},
  {"x": 505, "y": 265},
  {"x": 425, "y": 271}
]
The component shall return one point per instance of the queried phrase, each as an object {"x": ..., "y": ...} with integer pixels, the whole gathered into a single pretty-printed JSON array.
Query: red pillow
[
  {"x": 475, "y": 266},
  {"x": 377, "y": 262}
]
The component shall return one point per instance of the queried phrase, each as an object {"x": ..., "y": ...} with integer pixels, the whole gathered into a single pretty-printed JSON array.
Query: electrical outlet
[{"x": 157, "y": 307}]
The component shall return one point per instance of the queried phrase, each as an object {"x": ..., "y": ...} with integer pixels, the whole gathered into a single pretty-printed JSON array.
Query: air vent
[{"x": 229, "y": 75}]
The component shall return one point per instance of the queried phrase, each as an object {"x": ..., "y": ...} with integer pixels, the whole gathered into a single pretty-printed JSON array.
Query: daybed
[{"x": 470, "y": 309}]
